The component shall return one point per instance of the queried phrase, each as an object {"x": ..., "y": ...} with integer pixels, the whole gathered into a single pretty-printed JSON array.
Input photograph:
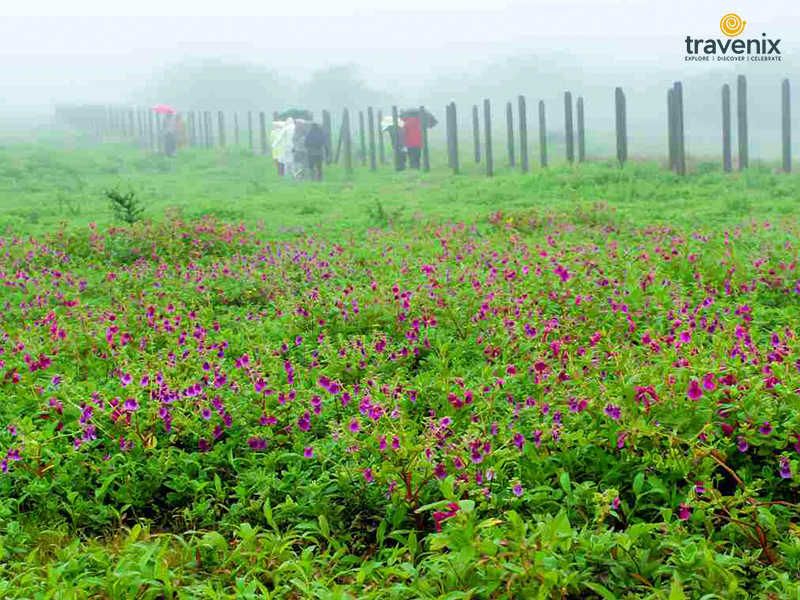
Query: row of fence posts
[{"x": 148, "y": 128}]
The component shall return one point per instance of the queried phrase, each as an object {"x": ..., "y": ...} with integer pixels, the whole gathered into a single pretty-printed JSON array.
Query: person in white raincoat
[{"x": 281, "y": 138}]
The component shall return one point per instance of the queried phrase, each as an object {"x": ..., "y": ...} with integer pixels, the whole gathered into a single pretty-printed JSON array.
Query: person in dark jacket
[{"x": 315, "y": 145}]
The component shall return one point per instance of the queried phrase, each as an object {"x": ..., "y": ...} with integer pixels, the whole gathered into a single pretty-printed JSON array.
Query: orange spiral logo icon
[{"x": 732, "y": 25}]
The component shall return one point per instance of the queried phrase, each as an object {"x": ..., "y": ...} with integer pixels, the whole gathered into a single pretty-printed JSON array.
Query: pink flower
[
  {"x": 694, "y": 392},
  {"x": 308, "y": 452},
  {"x": 684, "y": 512},
  {"x": 367, "y": 473}
]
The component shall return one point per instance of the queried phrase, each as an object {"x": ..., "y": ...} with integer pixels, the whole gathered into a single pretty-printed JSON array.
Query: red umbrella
[{"x": 164, "y": 109}]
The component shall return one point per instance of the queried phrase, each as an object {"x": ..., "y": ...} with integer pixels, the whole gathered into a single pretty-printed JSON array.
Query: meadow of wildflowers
[{"x": 535, "y": 402}]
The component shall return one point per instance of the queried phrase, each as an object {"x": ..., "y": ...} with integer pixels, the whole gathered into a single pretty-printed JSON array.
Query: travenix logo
[{"x": 761, "y": 49}]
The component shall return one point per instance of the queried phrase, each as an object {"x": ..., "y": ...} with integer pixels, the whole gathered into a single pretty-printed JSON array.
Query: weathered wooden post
[
  {"x": 348, "y": 144},
  {"x": 510, "y": 135},
  {"x": 476, "y": 134},
  {"x": 371, "y": 126},
  {"x": 487, "y": 126},
  {"x": 140, "y": 123},
  {"x": 523, "y": 135},
  {"x": 236, "y": 128},
  {"x": 396, "y": 140},
  {"x": 326, "y": 127},
  {"x": 209, "y": 130},
  {"x": 542, "y": 135},
  {"x": 786, "y": 125},
  {"x": 568, "y": 132},
  {"x": 381, "y": 150},
  {"x": 680, "y": 145},
  {"x": 426, "y": 158},
  {"x": 250, "y": 128},
  {"x": 262, "y": 122},
  {"x": 727, "y": 163},
  {"x": 339, "y": 143},
  {"x": 132, "y": 123},
  {"x": 741, "y": 109},
  {"x": 581, "y": 136},
  {"x": 622, "y": 130},
  {"x": 362, "y": 138},
  {"x": 151, "y": 130},
  {"x": 221, "y": 120},
  {"x": 454, "y": 130}
]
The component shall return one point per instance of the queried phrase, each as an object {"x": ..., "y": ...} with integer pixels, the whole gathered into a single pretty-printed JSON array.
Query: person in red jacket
[{"x": 413, "y": 134}]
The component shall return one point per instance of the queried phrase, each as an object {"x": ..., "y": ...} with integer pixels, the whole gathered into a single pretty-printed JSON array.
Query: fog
[{"x": 354, "y": 53}]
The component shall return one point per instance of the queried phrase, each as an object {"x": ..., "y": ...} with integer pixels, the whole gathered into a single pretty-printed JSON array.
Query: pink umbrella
[{"x": 164, "y": 109}]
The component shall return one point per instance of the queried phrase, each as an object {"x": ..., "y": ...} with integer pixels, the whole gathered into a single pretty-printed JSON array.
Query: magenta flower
[
  {"x": 354, "y": 426},
  {"x": 694, "y": 392},
  {"x": 615, "y": 503},
  {"x": 613, "y": 411},
  {"x": 765, "y": 428},
  {"x": 367, "y": 473},
  {"x": 710, "y": 382},
  {"x": 684, "y": 512},
  {"x": 786, "y": 469},
  {"x": 517, "y": 489},
  {"x": 741, "y": 443},
  {"x": 308, "y": 452}
]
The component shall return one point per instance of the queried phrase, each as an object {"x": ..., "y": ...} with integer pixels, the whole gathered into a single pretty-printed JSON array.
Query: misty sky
[{"x": 82, "y": 57}]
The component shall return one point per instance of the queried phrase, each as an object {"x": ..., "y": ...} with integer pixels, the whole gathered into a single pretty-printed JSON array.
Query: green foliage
[{"x": 126, "y": 207}]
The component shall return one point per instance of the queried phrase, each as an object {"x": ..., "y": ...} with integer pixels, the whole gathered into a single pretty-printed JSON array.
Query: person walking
[
  {"x": 170, "y": 134},
  {"x": 412, "y": 127},
  {"x": 315, "y": 147}
]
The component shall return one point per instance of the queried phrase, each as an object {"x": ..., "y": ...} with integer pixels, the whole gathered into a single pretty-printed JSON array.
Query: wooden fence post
[
  {"x": 371, "y": 126},
  {"x": 454, "y": 129},
  {"x": 786, "y": 125},
  {"x": 568, "y": 132},
  {"x": 448, "y": 134},
  {"x": 727, "y": 163},
  {"x": 348, "y": 144},
  {"x": 262, "y": 122},
  {"x": 510, "y": 135},
  {"x": 160, "y": 133},
  {"x": 151, "y": 130},
  {"x": 542, "y": 135},
  {"x": 339, "y": 143},
  {"x": 523, "y": 134},
  {"x": 221, "y": 120},
  {"x": 622, "y": 130},
  {"x": 487, "y": 126},
  {"x": 326, "y": 127},
  {"x": 680, "y": 144},
  {"x": 476, "y": 134},
  {"x": 362, "y": 138},
  {"x": 381, "y": 149},
  {"x": 581, "y": 135},
  {"x": 236, "y": 128},
  {"x": 396, "y": 140},
  {"x": 741, "y": 109},
  {"x": 426, "y": 158},
  {"x": 250, "y": 128}
]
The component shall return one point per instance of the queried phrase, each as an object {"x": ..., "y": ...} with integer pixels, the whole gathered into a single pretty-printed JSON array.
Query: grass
[{"x": 579, "y": 382}]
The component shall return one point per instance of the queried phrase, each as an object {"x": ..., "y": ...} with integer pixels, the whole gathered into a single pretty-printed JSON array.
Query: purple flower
[
  {"x": 354, "y": 426},
  {"x": 367, "y": 473},
  {"x": 257, "y": 443},
  {"x": 615, "y": 503},
  {"x": 131, "y": 405},
  {"x": 308, "y": 452},
  {"x": 517, "y": 489},
  {"x": 694, "y": 392},
  {"x": 613, "y": 411},
  {"x": 684, "y": 512},
  {"x": 699, "y": 488},
  {"x": 786, "y": 469},
  {"x": 765, "y": 428},
  {"x": 440, "y": 472},
  {"x": 741, "y": 443},
  {"x": 519, "y": 441}
]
